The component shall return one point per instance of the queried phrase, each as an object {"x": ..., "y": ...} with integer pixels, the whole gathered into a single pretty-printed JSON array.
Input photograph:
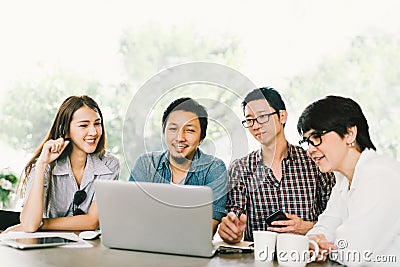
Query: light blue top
[{"x": 204, "y": 170}]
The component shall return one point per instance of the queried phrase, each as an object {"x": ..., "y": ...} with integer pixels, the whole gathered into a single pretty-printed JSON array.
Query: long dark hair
[{"x": 60, "y": 128}]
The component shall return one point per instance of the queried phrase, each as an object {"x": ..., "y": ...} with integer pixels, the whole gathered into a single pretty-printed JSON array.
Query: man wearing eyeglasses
[{"x": 278, "y": 176}]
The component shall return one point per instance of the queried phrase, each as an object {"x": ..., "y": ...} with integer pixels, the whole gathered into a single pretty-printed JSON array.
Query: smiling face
[
  {"x": 331, "y": 154},
  {"x": 85, "y": 130},
  {"x": 264, "y": 133},
  {"x": 182, "y": 135}
]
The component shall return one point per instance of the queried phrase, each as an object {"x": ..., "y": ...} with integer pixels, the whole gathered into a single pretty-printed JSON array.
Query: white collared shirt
[{"x": 366, "y": 218}]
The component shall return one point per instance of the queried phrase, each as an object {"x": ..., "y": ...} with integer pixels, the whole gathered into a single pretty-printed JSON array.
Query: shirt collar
[
  {"x": 197, "y": 161},
  {"x": 344, "y": 182},
  {"x": 365, "y": 156},
  {"x": 62, "y": 166},
  {"x": 93, "y": 162},
  {"x": 164, "y": 162},
  {"x": 291, "y": 153}
]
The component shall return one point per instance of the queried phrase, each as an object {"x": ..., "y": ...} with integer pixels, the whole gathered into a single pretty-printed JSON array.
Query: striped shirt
[
  {"x": 303, "y": 189},
  {"x": 63, "y": 183}
]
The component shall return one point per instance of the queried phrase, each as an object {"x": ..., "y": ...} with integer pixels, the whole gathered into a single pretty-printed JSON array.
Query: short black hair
[
  {"x": 338, "y": 114},
  {"x": 272, "y": 96},
  {"x": 189, "y": 105}
]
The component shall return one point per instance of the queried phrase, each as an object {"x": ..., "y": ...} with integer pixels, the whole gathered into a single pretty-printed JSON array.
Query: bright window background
[{"x": 107, "y": 49}]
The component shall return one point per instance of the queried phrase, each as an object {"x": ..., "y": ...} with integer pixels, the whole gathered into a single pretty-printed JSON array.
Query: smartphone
[
  {"x": 36, "y": 242},
  {"x": 276, "y": 216}
]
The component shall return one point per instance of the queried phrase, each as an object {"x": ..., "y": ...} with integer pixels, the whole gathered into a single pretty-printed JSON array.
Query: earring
[{"x": 351, "y": 144}]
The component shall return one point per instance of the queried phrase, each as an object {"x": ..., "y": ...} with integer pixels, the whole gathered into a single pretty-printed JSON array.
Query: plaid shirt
[{"x": 303, "y": 189}]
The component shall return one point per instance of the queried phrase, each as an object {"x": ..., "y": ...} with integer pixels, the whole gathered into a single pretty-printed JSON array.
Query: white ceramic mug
[
  {"x": 264, "y": 245},
  {"x": 293, "y": 250}
]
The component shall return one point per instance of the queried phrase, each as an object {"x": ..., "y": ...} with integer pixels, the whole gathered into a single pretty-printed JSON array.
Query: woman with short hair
[{"x": 362, "y": 220}]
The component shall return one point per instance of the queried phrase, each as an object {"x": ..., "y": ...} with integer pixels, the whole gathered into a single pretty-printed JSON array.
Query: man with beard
[{"x": 184, "y": 125}]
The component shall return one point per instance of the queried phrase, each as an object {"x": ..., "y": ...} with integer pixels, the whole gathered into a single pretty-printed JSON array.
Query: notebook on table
[{"x": 155, "y": 217}]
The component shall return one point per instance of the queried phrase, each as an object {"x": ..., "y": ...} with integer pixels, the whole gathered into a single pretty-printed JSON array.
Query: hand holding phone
[{"x": 276, "y": 216}]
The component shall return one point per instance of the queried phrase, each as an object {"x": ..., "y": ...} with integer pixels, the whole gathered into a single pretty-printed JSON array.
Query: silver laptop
[{"x": 156, "y": 217}]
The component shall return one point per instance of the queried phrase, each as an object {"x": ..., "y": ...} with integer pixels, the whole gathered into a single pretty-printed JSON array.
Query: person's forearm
[
  {"x": 71, "y": 223},
  {"x": 32, "y": 213}
]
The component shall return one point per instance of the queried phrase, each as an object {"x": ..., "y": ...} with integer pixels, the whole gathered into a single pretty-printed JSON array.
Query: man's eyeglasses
[
  {"x": 264, "y": 118},
  {"x": 315, "y": 139},
  {"x": 79, "y": 197}
]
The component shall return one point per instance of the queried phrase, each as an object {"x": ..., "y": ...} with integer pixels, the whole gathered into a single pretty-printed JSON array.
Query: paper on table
[
  {"x": 80, "y": 244},
  {"x": 244, "y": 245}
]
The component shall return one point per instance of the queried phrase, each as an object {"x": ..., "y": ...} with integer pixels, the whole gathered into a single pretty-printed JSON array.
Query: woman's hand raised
[{"x": 52, "y": 149}]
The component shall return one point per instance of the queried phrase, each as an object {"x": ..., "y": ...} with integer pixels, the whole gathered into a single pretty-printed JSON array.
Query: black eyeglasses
[
  {"x": 79, "y": 197},
  {"x": 314, "y": 139},
  {"x": 264, "y": 118}
]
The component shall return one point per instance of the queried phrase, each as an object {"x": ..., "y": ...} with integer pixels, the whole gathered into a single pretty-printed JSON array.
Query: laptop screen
[{"x": 156, "y": 217}]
